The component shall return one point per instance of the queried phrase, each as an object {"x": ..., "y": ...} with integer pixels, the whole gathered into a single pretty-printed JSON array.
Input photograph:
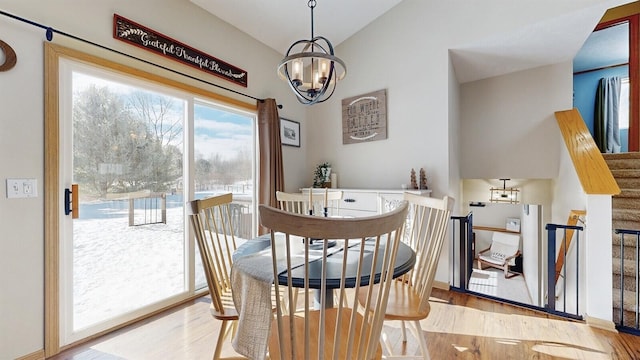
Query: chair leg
[
  {"x": 419, "y": 335},
  {"x": 384, "y": 339},
  {"x": 224, "y": 332},
  {"x": 508, "y": 274},
  {"x": 404, "y": 331}
]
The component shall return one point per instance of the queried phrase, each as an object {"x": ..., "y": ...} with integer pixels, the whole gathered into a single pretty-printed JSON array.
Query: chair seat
[
  {"x": 228, "y": 311},
  {"x": 491, "y": 260},
  {"x": 403, "y": 303},
  {"x": 331, "y": 320}
]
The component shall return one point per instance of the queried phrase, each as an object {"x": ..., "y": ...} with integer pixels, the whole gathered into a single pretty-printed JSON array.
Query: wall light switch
[{"x": 22, "y": 188}]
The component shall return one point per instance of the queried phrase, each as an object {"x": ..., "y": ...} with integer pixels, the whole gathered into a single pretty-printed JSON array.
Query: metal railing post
[
  {"x": 551, "y": 266},
  {"x": 464, "y": 243}
]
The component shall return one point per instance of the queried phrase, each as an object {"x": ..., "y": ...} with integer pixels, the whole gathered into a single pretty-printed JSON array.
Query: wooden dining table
[{"x": 252, "y": 278}]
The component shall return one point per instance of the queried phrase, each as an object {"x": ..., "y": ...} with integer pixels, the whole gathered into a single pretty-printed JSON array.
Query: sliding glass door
[{"x": 127, "y": 145}]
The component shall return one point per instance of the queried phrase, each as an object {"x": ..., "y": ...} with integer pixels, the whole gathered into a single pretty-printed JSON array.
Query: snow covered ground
[{"x": 118, "y": 268}]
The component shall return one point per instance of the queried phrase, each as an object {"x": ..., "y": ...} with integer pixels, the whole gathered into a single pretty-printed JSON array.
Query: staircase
[{"x": 625, "y": 168}]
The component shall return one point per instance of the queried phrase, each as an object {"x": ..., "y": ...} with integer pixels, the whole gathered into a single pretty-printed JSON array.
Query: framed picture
[
  {"x": 513, "y": 224},
  {"x": 290, "y": 132}
]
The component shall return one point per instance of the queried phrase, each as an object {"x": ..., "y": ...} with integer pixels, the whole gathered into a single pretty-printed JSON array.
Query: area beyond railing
[
  {"x": 631, "y": 309},
  {"x": 463, "y": 246}
]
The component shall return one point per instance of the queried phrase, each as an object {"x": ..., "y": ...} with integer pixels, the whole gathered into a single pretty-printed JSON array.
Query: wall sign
[
  {"x": 10, "y": 57},
  {"x": 364, "y": 117},
  {"x": 143, "y": 37}
]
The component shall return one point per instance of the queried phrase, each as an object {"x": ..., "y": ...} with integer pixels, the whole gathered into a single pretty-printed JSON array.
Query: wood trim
[
  {"x": 592, "y": 170},
  {"x": 634, "y": 81},
  {"x": 52, "y": 54},
  {"x": 36, "y": 355},
  {"x": 629, "y": 13},
  {"x": 620, "y": 12},
  {"x": 490, "y": 228},
  {"x": 132, "y": 71},
  {"x": 133, "y": 321},
  {"x": 607, "y": 325},
  {"x": 51, "y": 201},
  {"x": 441, "y": 285}
]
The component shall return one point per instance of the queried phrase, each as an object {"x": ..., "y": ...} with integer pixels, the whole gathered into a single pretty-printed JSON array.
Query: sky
[{"x": 216, "y": 130}]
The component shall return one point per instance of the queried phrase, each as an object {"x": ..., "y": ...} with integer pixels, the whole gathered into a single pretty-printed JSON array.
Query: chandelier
[
  {"x": 311, "y": 69},
  {"x": 504, "y": 194}
]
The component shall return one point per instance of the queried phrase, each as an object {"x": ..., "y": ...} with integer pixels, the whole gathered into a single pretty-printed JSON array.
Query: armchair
[{"x": 504, "y": 249}]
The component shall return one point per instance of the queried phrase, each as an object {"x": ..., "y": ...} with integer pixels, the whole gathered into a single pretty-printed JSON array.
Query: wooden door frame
[{"x": 634, "y": 75}]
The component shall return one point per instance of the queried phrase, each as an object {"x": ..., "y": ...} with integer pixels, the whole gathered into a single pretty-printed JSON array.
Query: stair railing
[
  {"x": 551, "y": 305},
  {"x": 634, "y": 234}
]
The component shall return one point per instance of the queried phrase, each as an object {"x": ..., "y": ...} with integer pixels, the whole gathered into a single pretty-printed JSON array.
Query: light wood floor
[{"x": 459, "y": 327}]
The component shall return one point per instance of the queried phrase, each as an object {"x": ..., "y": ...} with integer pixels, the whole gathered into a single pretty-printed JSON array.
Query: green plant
[{"x": 318, "y": 174}]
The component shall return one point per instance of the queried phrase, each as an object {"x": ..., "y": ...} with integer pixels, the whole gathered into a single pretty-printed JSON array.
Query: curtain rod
[
  {"x": 600, "y": 68},
  {"x": 49, "y": 35}
]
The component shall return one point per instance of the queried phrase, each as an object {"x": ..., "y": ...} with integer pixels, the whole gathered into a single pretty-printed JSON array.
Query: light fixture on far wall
[
  {"x": 311, "y": 69},
  {"x": 504, "y": 194}
]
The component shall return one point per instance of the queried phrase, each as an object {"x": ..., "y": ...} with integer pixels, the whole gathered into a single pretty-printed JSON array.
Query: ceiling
[
  {"x": 603, "y": 48},
  {"x": 279, "y": 23}
]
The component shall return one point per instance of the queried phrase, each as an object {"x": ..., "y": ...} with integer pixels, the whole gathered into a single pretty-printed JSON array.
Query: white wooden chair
[
  {"x": 211, "y": 220},
  {"x": 337, "y": 332},
  {"x": 299, "y": 202},
  {"x": 504, "y": 250},
  {"x": 425, "y": 232}
]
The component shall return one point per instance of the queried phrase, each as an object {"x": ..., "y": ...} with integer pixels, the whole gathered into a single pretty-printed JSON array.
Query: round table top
[{"x": 405, "y": 260}]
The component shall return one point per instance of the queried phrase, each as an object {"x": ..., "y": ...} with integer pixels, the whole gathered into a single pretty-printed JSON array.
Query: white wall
[
  {"x": 22, "y": 124},
  {"x": 21, "y": 220},
  {"x": 531, "y": 264},
  {"x": 508, "y": 123},
  {"x": 406, "y": 51},
  {"x": 493, "y": 215}
]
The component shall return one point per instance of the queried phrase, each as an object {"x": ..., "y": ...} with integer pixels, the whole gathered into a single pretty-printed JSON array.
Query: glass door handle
[{"x": 71, "y": 201}]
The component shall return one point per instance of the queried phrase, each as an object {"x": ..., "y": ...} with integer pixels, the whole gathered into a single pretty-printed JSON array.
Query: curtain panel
[
  {"x": 271, "y": 177},
  {"x": 606, "y": 128}
]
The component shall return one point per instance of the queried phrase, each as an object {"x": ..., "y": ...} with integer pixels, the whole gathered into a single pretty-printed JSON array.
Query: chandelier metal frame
[{"x": 314, "y": 60}]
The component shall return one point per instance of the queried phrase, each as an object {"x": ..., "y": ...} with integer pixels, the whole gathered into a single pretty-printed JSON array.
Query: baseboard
[
  {"x": 441, "y": 285},
  {"x": 600, "y": 323},
  {"x": 38, "y": 355}
]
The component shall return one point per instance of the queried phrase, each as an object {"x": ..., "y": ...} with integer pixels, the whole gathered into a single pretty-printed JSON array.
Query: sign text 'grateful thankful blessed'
[{"x": 143, "y": 37}]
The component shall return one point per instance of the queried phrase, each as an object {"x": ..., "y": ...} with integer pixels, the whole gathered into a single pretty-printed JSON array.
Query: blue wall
[{"x": 584, "y": 96}]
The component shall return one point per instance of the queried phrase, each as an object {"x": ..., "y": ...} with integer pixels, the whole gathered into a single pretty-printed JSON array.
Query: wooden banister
[
  {"x": 592, "y": 170},
  {"x": 574, "y": 216}
]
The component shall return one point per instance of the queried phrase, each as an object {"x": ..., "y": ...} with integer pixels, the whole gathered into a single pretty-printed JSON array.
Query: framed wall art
[
  {"x": 364, "y": 117},
  {"x": 513, "y": 224},
  {"x": 290, "y": 132}
]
